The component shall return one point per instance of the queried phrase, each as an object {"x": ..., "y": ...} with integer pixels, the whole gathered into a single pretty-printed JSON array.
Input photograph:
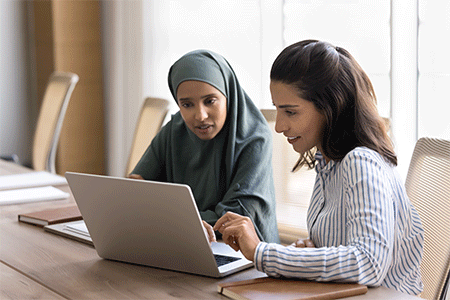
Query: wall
[
  {"x": 16, "y": 109},
  {"x": 37, "y": 38},
  {"x": 77, "y": 48}
]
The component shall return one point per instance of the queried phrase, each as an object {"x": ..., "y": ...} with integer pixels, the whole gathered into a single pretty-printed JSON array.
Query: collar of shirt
[{"x": 322, "y": 166}]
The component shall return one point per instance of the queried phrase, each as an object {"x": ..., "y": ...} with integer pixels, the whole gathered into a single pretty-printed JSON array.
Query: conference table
[{"x": 37, "y": 264}]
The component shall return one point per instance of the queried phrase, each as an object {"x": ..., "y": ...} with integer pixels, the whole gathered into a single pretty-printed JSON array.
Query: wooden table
[{"x": 38, "y": 264}]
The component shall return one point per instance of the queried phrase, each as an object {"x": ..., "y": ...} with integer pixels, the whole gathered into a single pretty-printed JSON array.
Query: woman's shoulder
[
  {"x": 363, "y": 162},
  {"x": 363, "y": 153},
  {"x": 361, "y": 156}
]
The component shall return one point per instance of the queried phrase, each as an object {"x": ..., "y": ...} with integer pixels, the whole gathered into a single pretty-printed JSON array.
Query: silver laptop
[{"x": 150, "y": 223}]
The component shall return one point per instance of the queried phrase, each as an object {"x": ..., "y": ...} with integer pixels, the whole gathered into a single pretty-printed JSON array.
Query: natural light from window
[{"x": 406, "y": 61}]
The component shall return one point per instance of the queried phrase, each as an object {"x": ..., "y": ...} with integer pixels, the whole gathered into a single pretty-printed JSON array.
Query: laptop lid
[{"x": 149, "y": 223}]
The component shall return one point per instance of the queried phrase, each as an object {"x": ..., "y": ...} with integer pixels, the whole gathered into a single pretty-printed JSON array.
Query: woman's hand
[
  {"x": 238, "y": 232},
  {"x": 209, "y": 232},
  {"x": 135, "y": 176},
  {"x": 303, "y": 243}
]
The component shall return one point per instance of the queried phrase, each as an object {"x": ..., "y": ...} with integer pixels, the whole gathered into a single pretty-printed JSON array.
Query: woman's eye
[
  {"x": 290, "y": 113},
  {"x": 210, "y": 101},
  {"x": 185, "y": 105}
]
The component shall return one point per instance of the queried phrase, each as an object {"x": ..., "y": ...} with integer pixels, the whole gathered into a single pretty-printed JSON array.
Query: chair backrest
[
  {"x": 151, "y": 118},
  {"x": 428, "y": 187},
  {"x": 50, "y": 120}
]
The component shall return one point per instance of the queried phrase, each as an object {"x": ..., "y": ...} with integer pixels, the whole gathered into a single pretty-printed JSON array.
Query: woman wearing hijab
[{"x": 218, "y": 143}]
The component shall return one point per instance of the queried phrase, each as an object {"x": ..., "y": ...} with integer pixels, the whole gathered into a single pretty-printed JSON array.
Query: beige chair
[
  {"x": 50, "y": 120},
  {"x": 428, "y": 187},
  {"x": 151, "y": 118}
]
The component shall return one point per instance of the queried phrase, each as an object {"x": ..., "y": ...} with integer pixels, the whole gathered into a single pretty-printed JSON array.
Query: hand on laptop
[
  {"x": 135, "y": 176},
  {"x": 239, "y": 233},
  {"x": 303, "y": 243},
  {"x": 209, "y": 232}
]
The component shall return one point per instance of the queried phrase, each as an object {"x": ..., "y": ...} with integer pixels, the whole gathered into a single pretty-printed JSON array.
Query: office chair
[
  {"x": 428, "y": 187},
  {"x": 50, "y": 120},
  {"x": 151, "y": 117}
]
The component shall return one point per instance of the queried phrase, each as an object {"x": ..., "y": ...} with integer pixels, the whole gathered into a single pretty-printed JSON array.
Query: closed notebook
[
  {"x": 268, "y": 288},
  {"x": 52, "y": 216}
]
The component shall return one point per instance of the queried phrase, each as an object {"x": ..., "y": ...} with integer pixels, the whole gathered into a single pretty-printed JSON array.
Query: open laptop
[{"x": 150, "y": 223}]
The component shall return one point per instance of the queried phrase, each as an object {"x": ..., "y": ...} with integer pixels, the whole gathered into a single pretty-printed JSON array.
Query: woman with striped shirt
[{"x": 362, "y": 226}]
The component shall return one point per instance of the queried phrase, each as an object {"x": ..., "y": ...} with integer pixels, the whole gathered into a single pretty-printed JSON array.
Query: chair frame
[
  {"x": 70, "y": 80},
  {"x": 142, "y": 131}
]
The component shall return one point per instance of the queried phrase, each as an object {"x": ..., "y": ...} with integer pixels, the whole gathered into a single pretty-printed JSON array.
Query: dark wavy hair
[{"x": 335, "y": 83}]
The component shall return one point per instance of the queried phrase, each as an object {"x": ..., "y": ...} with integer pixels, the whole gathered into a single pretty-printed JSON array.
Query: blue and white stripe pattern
[{"x": 363, "y": 226}]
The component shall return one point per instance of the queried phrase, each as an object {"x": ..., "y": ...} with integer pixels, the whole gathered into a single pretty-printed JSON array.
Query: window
[
  {"x": 230, "y": 28},
  {"x": 361, "y": 27},
  {"x": 407, "y": 62},
  {"x": 433, "y": 105}
]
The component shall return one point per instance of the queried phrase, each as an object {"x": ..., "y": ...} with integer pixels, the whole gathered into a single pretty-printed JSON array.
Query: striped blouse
[{"x": 363, "y": 226}]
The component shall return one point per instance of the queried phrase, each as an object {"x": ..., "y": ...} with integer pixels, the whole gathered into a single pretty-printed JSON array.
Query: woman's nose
[
  {"x": 280, "y": 126},
  {"x": 201, "y": 114}
]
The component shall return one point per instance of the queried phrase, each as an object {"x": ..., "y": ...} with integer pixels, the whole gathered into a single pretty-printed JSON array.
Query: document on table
[
  {"x": 76, "y": 230},
  {"x": 31, "y": 195},
  {"x": 78, "y": 227},
  {"x": 31, "y": 179}
]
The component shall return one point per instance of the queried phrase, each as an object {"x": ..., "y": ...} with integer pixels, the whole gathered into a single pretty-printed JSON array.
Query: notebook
[
  {"x": 51, "y": 216},
  {"x": 150, "y": 223},
  {"x": 268, "y": 288}
]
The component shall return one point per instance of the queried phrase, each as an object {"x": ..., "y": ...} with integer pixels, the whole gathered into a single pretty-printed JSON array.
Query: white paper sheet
[
  {"x": 31, "y": 195},
  {"x": 32, "y": 179},
  {"x": 78, "y": 227}
]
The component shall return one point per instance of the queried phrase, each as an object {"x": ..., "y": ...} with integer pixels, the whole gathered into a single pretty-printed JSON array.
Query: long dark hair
[{"x": 338, "y": 87}]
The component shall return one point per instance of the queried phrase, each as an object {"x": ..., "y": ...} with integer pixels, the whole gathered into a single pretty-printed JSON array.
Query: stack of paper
[
  {"x": 32, "y": 179},
  {"x": 31, "y": 195},
  {"x": 31, "y": 187}
]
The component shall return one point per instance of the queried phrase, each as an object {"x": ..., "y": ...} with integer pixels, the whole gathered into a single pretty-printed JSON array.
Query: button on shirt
[{"x": 363, "y": 226}]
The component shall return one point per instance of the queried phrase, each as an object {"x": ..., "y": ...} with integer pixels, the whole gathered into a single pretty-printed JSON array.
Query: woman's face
[
  {"x": 297, "y": 118},
  {"x": 203, "y": 108}
]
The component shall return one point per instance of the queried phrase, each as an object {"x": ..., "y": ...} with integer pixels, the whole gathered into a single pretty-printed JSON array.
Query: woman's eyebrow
[
  {"x": 202, "y": 97},
  {"x": 287, "y": 106},
  {"x": 209, "y": 95}
]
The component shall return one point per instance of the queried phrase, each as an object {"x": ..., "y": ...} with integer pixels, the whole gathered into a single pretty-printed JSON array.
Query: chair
[
  {"x": 428, "y": 187},
  {"x": 151, "y": 118},
  {"x": 50, "y": 120}
]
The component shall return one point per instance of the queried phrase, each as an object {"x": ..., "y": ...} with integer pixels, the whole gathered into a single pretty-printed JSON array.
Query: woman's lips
[
  {"x": 293, "y": 139},
  {"x": 204, "y": 128}
]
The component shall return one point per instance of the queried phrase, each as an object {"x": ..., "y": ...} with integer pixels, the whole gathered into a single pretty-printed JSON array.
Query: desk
[{"x": 38, "y": 264}]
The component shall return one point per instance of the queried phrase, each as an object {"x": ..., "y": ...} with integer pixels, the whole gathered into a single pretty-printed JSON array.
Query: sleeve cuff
[{"x": 259, "y": 256}]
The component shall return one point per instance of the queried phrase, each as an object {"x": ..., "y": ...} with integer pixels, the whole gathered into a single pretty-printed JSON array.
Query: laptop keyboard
[{"x": 223, "y": 260}]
